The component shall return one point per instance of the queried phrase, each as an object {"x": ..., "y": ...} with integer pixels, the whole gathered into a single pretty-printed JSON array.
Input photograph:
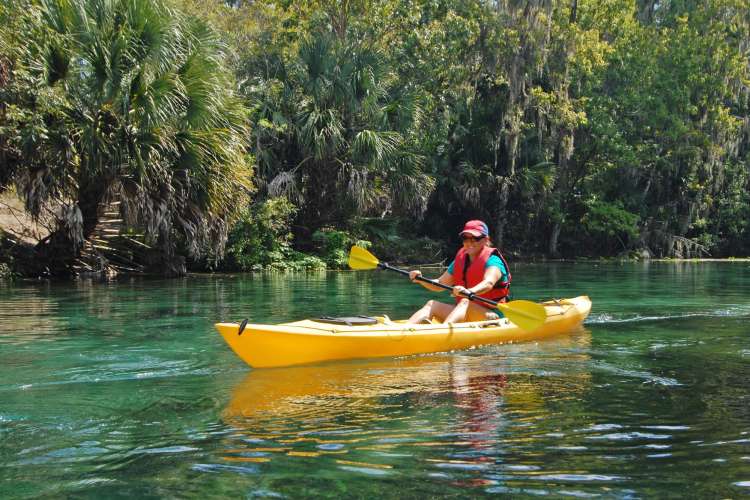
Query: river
[{"x": 123, "y": 389}]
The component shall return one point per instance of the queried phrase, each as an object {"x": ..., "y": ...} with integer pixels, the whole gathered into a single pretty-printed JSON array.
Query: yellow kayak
[{"x": 315, "y": 341}]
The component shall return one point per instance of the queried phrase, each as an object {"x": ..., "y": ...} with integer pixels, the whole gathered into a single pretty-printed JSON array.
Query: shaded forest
[{"x": 162, "y": 136}]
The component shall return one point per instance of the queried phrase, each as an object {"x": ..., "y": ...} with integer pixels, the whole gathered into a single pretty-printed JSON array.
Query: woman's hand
[
  {"x": 460, "y": 291},
  {"x": 414, "y": 274}
]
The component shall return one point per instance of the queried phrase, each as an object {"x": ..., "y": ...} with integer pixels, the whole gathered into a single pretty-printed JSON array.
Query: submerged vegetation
[{"x": 274, "y": 134}]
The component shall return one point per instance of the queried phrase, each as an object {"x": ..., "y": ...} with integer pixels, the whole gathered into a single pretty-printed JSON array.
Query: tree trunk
[
  {"x": 553, "y": 239},
  {"x": 646, "y": 10},
  {"x": 561, "y": 191},
  {"x": 58, "y": 252},
  {"x": 573, "y": 11},
  {"x": 501, "y": 213}
]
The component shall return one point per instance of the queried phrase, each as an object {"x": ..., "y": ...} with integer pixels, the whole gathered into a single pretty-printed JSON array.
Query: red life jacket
[{"x": 474, "y": 273}]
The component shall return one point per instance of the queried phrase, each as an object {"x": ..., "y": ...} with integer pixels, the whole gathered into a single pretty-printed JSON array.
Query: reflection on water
[
  {"x": 124, "y": 389},
  {"x": 483, "y": 416},
  {"x": 39, "y": 322}
]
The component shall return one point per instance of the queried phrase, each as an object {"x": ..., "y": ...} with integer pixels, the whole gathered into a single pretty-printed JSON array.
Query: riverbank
[
  {"x": 16, "y": 221},
  {"x": 19, "y": 233}
]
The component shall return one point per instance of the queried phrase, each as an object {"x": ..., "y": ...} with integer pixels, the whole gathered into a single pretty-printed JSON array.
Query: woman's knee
[{"x": 440, "y": 309}]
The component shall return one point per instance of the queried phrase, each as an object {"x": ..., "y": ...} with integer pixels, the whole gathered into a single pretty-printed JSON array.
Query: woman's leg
[
  {"x": 480, "y": 313},
  {"x": 432, "y": 309},
  {"x": 469, "y": 311},
  {"x": 458, "y": 314}
]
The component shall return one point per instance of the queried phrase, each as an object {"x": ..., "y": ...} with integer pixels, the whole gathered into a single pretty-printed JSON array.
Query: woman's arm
[
  {"x": 446, "y": 279},
  {"x": 491, "y": 276}
]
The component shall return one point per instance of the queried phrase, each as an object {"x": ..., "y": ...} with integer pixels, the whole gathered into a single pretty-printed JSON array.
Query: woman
[{"x": 478, "y": 269}]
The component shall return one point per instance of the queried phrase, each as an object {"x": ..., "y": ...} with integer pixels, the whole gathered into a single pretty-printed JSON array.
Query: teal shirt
[{"x": 495, "y": 261}]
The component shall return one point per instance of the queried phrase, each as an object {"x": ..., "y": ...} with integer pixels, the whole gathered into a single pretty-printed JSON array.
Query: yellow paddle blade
[
  {"x": 361, "y": 259},
  {"x": 525, "y": 314}
]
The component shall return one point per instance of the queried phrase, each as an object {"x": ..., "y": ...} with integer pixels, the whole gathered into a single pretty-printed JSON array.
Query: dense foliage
[
  {"x": 261, "y": 240},
  {"x": 576, "y": 128},
  {"x": 573, "y": 127},
  {"x": 122, "y": 103}
]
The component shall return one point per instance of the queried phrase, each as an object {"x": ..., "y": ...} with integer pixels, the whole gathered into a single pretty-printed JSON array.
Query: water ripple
[
  {"x": 610, "y": 318},
  {"x": 633, "y": 373},
  {"x": 246, "y": 469},
  {"x": 578, "y": 477}
]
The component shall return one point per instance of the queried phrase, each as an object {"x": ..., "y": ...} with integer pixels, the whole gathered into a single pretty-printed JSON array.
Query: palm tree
[
  {"x": 139, "y": 107},
  {"x": 337, "y": 137}
]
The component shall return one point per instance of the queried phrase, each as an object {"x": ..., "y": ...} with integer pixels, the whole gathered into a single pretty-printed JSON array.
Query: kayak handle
[{"x": 242, "y": 327}]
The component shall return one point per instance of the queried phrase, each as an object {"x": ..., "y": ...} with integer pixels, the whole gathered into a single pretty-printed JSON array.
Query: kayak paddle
[{"x": 526, "y": 314}]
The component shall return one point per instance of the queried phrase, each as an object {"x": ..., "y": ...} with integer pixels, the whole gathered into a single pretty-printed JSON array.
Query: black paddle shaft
[{"x": 385, "y": 265}]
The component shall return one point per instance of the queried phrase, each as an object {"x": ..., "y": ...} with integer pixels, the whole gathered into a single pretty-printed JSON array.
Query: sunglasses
[{"x": 472, "y": 238}]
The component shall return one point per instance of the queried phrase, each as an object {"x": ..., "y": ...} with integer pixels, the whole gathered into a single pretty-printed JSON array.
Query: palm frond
[
  {"x": 147, "y": 117},
  {"x": 378, "y": 148},
  {"x": 285, "y": 184}
]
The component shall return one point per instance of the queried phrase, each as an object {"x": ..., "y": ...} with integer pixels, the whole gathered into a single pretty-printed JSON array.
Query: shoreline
[
  {"x": 660, "y": 259},
  {"x": 202, "y": 274},
  {"x": 607, "y": 260}
]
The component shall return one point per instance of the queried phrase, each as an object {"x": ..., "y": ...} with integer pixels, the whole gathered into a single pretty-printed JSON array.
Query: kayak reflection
[
  {"x": 271, "y": 393},
  {"x": 395, "y": 407}
]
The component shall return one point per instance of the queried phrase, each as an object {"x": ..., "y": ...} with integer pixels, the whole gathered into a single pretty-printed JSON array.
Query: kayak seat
[
  {"x": 385, "y": 320},
  {"x": 348, "y": 320},
  {"x": 491, "y": 324}
]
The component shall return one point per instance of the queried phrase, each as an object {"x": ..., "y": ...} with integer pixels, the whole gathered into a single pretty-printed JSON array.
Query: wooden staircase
[{"x": 112, "y": 249}]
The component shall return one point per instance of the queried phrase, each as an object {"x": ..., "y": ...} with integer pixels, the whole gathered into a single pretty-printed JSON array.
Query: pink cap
[{"x": 476, "y": 228}]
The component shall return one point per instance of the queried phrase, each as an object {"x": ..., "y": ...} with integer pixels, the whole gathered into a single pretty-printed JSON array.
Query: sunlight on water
[{"x": 125, "y": 389}]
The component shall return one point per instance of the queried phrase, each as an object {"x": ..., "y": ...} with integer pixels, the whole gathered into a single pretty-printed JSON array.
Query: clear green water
[{"x": 124, "y": 390}]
